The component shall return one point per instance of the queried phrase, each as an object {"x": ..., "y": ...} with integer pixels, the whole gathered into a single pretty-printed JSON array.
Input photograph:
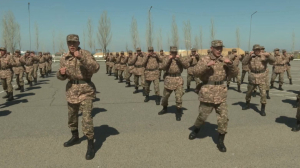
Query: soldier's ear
[{"x": 78, "y": 43}]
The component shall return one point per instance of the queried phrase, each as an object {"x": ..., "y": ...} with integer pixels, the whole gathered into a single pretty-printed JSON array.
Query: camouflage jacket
[
  {"x": 79, "y": 69},
  {"x": 137, "y": 61},
  {"x": 111, "y": 60},
  {"x": 129, "y": 59},
  {"x": 174, "y": 66},
  {"x": 162, "y": 57},
  {"x": 117, "y": 62},
  {"x": 245, "y": 67},
  {"x": 216, "y": 73},
  {"x": 19, "y": 68},
  {"x": 28, "y": 61},
  {"x": 123, "y": 61},
  {"x": 193, "y": 60},
  {"x": 288, "y": 59},
  {"x": 257, "y": 66},
  {"x": 6, "y": 64},
  {"x": 151, "y": 64},
  {"x": 279, "y": 64}
]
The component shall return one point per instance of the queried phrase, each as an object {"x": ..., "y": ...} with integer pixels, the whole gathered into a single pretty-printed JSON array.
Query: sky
[{"x": 272, "y": 25}]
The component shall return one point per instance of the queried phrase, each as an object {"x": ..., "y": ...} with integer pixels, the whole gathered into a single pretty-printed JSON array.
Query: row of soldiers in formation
[
  {"x": 210, "y": 72},
  {"x": 18, "y": 64}
]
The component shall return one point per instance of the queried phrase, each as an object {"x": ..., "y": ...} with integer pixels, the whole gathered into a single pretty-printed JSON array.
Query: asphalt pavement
[{"x": 129, "y": 133}]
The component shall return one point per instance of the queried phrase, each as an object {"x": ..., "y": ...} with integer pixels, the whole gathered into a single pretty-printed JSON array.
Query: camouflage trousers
[
  {"x": 243, "y": 74},
  {"x": 156, "y": 87},
  {"x": 110, "y": 70},
  {"x": 107, "y": 68},
  {"x": 262, "y": 90},
  {"x": 267, "y": 83},
  {"x": 42, "y": 70},
  {"x": 120, "y": 74},
  {"x": 190, "y": 78},
  {"x": 29, "y": 75},
  {"x": 178, "y": 96},
  {"x": 274, "y": 76},
  {"x": 136, "y": 80},
  {"x": 128, "y": 75},
  {"x": 47, "y": 66},
  {"x": 222, "y": 115},
  {"x": 116, "y": 72},
  {"x": 35, "y": 69},
  {"x": 85, "y": 107},
  {"x": 6, "y": 84},
  {"x": 50, "y": 66},
  {"x": 19, "y": 79},
  {"x": 238, "y": 78},
  {"x": 288, "y": 72}
]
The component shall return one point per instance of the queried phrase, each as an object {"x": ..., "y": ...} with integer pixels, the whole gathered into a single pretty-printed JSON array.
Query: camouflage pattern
[
  {"x": 137, "y": 61},
  {"x": 42, "y": 65},
  {"x": 151, "y": 64},
  {"x": 288, "y": 59},
  {"x": 190, "y": 77},
  {"x": 85, "y": 107},
  {"x": 262, "y": 89},
  {"x": 217, "y": 43},
  {"x": 193, "y": 60},
  {"x": 178, "y": 96},
  {"x": 110, "y": 62},
  {"x": 28, "y": 61},
  {"x": 79, "y": 69},
  {"x": 235, "y": 58},
  {"x": 156, "y": 86},
  {"x": 18, "y": 70},
  {"x": 73, "y": 37},
  {"x": 279, "y": 68},
  {"x": 129, "y": 68},
  {"x": 48, "y": 62},
  {"x": 215, "y": 94},
  {"x": 222, "y": 115},
  {"x": 35, "y": 69},
  {"x": 6, "y": 64},
  {"x": 122, "y": 66}
]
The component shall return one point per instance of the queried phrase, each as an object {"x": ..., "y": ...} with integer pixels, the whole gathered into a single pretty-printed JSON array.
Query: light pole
[
  {"x": 29, "y": 25},
  {"x": 150, "y": 27},
  {"x": 250, "y": 31}
]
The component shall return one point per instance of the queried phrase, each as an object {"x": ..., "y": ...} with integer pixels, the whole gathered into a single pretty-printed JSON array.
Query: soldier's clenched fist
[{"x": 62, "y": 70}]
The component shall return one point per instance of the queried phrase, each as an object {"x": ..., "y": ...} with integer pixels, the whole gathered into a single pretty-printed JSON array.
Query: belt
[
  {"x": 138, "y": 66},
  {"x": 174, "y": 75},
  {"x": 279, "y": 65},
  {"x": 193, "y": 65},
  {"x": 213, "y": 83},
  {"x": 130, "y": 65},
  {"x": 257, "y": 72},
  {"x": 80, "y": 81},
  {"x": 151, "y": 69},
  {"x": 123, "y": 63}
]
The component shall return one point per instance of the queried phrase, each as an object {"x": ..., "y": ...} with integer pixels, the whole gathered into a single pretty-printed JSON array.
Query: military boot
[
  {"x": 296, "y": 104},
  {"x": 43, "y": 76},
  {"x": 247, "y": 106},
  {"x": 163, "y": 111},
  {"x": 272, "y": 85},
  {"x": 263, "y": 110},
  {"x": 297, "y": 127},
  {"x": 227, "y": 86},
  {"x": 254, "y": 93},
  {"x": 144, "y": 91},
  {"x": 128, "y": 84},
  {"x": 194, "y": 133},
  {"x": 90, "y": 153},
  {"x": 120, "y": 81},
  {"x": 291, "y": 82},
  {"x": 220, "y": 144},
  {"x": 187, "y": 89},
  {"x": 280, "y": 87},
  {"x": 268, "y": 95},
  {"x": 6, "y": 96},
  {"x": 10, "y": 96},
  {"x": 178, "y": 114},
  {"x": 46, "y": 74},
  {"x": 22, "y": 89},
  {"x": 157, "y": 100},
  {"x": 136, "y": 90},
  {"x": 239, "y": 88},
  {"x": 30, "y": 83},
  {"x": 18, "y": 88},
  {"x": 74, "y": 139},
  {"x": 116, "y": 77},
  {"x": 109, "y": 73},
  {"x": 146, "y": 98},
  {"x": 233, "y": 80},
  {"x": 35, "y": 81}
]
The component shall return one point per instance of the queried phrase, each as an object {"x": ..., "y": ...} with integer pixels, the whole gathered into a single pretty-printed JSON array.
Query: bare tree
[
  {"x": 53, "y": 41},
  {"x": 196, "y": 45},
  {"x": 19, "y": 36},
  {"x": 5, "y": 32},
  {"x": 169, "y": 42},
  {"x": 83, "y": 39},
  {"x": 201, "y": 38},
  {"x": 238, "y": 44},
  {"x": 212, "y": 30},
  {"x": 149, "y": 31},
  {"x": 134, "y": 34},
  {"x": 104, "y": 31},
  {"x": 37, "y": 36},
  {"x": 175, "y": 36},
  {"x": 9, "y": 31},
  {"x": 159, "y": 40},
  {"x": 187, "y": 36},
  {"x": 90, "y": 33}
]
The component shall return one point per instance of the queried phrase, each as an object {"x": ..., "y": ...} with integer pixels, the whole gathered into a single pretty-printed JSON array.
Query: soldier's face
[
  {"x": 2, "y": 52},
  {"x": 161, "y": 53},
  {"x": 217, "y": 51},
  {"x": 276, "y": 52},
  {"x": 73, "y": 46},
  {"x": 150, "y": 51},
  {"x": 138, "y": 52},
  {"x": 194, "y": 52},
  {"x": 257, "y": 51},
  {"x": 26, "y": 54}
]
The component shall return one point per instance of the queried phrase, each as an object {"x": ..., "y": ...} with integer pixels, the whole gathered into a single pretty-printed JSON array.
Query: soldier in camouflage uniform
[
  {"x": 28, "y": 60},
  {"x": 19, "y": 71},
  {"x": 42, "y": 65},
  {"x": 236, "y": 60},
  {"x": 151, "y": 63},
  {"x": 6, "y": 64},
  {"x": 173, "y": 65},
  {"x": 199, "y": 85},
  {"x": 46, "y": 64},
  {"x": 138, "y": 70},
  {"x": 212, "y": 71},
  {"x": 117, "y": 65},
  {"x": 122, "y": 66},
  {"x": 288, "y": 58},
  {"x": 257, "y": 62},
  {"x": 129, "y": 68},
  {"x": 106, "y": 57},
  {"x": 35, "y": 67},
  {"x": 78, "y": 66},
  {"x": 245, "y": 68},
  {"x": 162, "y": 55},
  {"x": 193, "y": 60},
  {"x": 278, "y": 68},
  {"x": 111, "y": 63},
  {"x": 49, "y": 61},
  {"x": 267, "y": 77}
]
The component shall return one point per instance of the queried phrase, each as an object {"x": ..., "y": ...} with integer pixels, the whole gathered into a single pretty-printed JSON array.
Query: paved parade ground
[{"x": 129, "y": 133}]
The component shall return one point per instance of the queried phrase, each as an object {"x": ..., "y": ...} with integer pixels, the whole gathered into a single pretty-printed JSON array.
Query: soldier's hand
[
  {"x": 177, "y": 56},
  {"x": 170, "y": 56},
  {"x": 77, "y": 54},
  {"x": 251, "y": 52},
  {"x": 62, "y": 70},
  {"x": 227, "y": 61},
  {"x": 210, "y": 63}
]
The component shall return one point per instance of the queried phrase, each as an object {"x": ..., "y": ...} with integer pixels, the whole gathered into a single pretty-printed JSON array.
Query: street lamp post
[
  {"x": 29, "y": 25},
  {"x": 250, "y": 31}
]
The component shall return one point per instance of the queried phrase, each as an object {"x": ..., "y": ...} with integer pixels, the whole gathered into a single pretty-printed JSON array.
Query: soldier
[
  {"x": 236, "y": 60},
  {"x": 288, "y": 58},
  {"x": 6, "y": 64},
  {"x": 106, "y": 58},
  {"x": 138, "y": 70},
  {"x": 151, "y": 63},
  {"x": 162, "y": 55},
  {"x": 110, "y": 63},
  {"x": 173, "y": 65},
  {"x": 245, "y": 68},
  {"x": 19, "y": 71},
  {"x": 193, "y": 60},
  {"x": 267, "y": 78},
  {"x": 42, "y": 65},
  {"x": 49, "y": 62},
  {"x": 122, "y": 66},
  {"x": 278, "y": 68},
  {"x": 35, "y": 67},
  {"x": 257, "y": 62},
  {"x": 28, "y": 60},
  {"x": 199, "y": 85},
  {"x": 116, "y": 66},
  {"x": 129, "y": 68},
  {"x": 213, "y": 70},
  {"x": 78, "y": 66}
]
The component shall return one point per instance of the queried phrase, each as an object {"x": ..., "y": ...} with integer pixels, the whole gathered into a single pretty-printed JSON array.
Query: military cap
[
  {"x": 234, "y": 50},
  {"x": 217, "y": 43},
  {"x": 229, "y": 52},
  {"x": 72, "y": 37},
  {"x": 246, "y": 52},
  {"x": 2, "y": 49},
  {"x": 262, "y": 47},
  {"x": 150, "y": 49},
  {"x": 256, "y": 47},
  {"x": 173, "y": 49},
  {"x": 130, "y": 52},
  {"x": 32, "y": 52},
  {"x": 193, "y": 49},
  {"x": 161, "y": 50},
  {"x": 122, "y": 52},
  {"x": 276, "y": 49},
  {"x": 17, "y": 51},
  {"x": 138, "y": 49},
  {"x": 283, "y": 50},
  {"x": 117, "y": 53},
  {"x": 27, "y": 51},
  {"x": 208, "y": 51}
]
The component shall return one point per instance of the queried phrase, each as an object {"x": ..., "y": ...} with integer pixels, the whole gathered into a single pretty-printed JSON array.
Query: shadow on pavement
[
  {"x": 252, "y": 106},
  {"x": 34, "y": 87},
  {"x": 96, "y": 99},
  {"x": 173, "y": 109},
  {"x": 293, "y": 91},
  {"x": 18, "y": 96},
  {"x": 95, "y": 111},
  {"x": 44, "y": 80},
  {"x": 14, "y": 102},
  {"x": 291, "y": 102},
  {"x": 4, "y": 113},
  {"x": 290, "y": 122},
  {"x": 207, "y": 130}
]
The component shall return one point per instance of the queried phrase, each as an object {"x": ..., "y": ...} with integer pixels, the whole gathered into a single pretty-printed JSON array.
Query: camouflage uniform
[
  {"x": 129, "y": 68},
  {"x": 235, "y": 58},
  {"x": 162, "y": 55},
  {"x": 117, "y": 65},
  {"x": 106, "y": 58},
  {"x": 151, "y": 63},
  {"x": 257, "y": 75},
  {"x": 35, "y": 67},
  {"x": 19, "y": 71},
  {"x": 193, "y": 60},
  {"x": 245, "y": 68},
  {"x": 278, "y": 69},
  {"x": 111, "y": 63},
  {"x": 122, "y": 66},
  {"x": 42, "y": 65},
  {"x": 49, "y": 63},
  {"x": 28, "y": 61},
  {"x": 138, "y": 70},
  {"x": 288, "y": 58}
]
